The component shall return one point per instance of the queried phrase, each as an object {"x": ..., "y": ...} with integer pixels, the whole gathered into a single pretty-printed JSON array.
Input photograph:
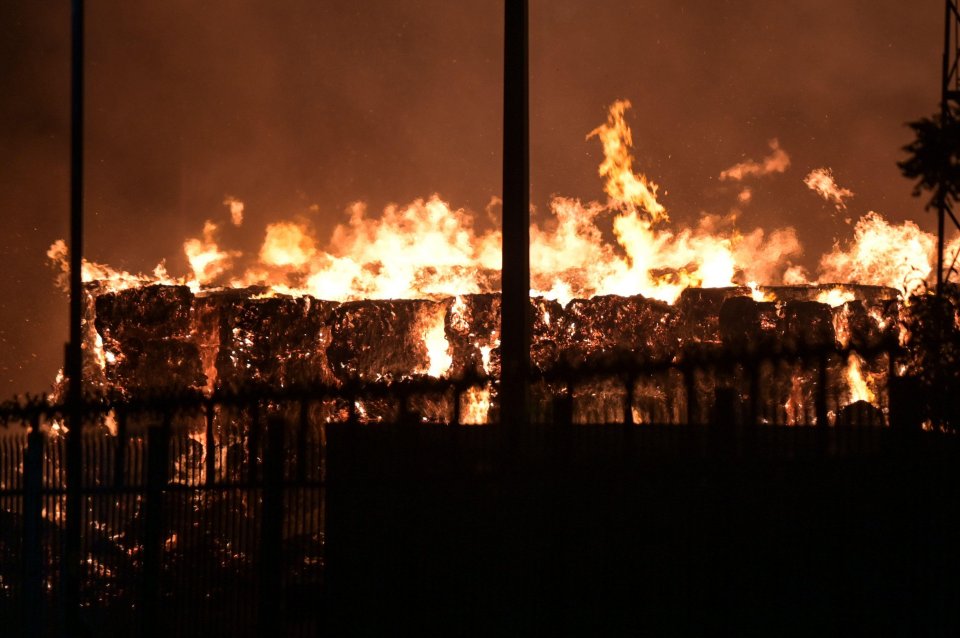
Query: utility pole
[
  {"x": 70, "y": 567},
  {"x": 949, "y": 103},
  {"x": 515, "y": 300}
]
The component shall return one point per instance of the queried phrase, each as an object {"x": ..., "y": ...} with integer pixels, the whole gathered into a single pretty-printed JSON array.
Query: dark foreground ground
[{"x": 641, "y": 531}]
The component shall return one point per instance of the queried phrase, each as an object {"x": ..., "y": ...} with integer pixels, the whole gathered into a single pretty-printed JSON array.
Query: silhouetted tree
[
  {"x": 931, "y": 340},
  {"x": 934, "y": 159}
]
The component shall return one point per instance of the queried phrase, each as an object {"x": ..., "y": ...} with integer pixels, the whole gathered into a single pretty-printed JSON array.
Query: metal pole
[
  {"x": 70, "y": 568},
  {"x": 515, "y": 309},
  {"x": 944, "y": 116}
]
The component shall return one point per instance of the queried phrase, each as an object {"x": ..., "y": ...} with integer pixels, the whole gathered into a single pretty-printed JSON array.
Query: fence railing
[{"x": 206, "y": 514}]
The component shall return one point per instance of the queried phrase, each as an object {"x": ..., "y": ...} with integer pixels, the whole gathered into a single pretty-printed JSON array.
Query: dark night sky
[{"x": 290, "y": 103}]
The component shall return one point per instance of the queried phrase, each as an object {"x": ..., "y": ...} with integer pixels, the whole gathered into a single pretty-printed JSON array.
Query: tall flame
[
  {"x": 859, "y": 388},
  {"x": 430, "y": 249},
  {"x": 623, "y": 185}
]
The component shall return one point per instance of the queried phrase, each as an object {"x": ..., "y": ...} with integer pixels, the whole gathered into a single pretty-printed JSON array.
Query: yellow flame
[
  {"x": 287, "y": 244},
  {"x": 882, "y": 254},
  {"x": 206, "y": 259},
  {"x": 475, "y": 406},
  {"x": 623, "y": 185},
  {"x": 435, "y": 339},
  {"x": 835, "y": 297},
  {"x": 429, "y": 249},
  {"x": 822, "y": 182},
  {"x": 859, "y": 388}
]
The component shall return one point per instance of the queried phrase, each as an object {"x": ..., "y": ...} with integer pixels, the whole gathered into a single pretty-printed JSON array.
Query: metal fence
[
  {"x": 196, "y": 519},
  {"x": 205, "y": 515}
]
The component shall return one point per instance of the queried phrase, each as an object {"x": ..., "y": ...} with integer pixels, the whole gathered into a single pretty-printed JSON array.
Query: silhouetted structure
[
  {"x": 949, "y": 103},
  {"x": 515, "y": 320}
]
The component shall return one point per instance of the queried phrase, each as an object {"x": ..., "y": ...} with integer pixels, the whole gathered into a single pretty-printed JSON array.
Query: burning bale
[
  {"x": 699, "y": 312},
  {"x": 276, "y": 341},
  {"x": 167, "y": 338},
  {"x": 611, "y": 326},
  {"x": 148, "y": 342},
  {"x": 389, "y": 339}
]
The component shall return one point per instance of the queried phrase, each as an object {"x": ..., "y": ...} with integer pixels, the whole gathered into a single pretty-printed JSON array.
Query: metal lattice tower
[{"x": 949, "y": 108}]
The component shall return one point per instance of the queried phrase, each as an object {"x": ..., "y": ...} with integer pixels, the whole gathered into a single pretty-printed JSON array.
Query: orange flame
[
  {"x": 430, "y": 249},
  {"x": 623, "y": 185},
  {"x": 859, "y": 388}
]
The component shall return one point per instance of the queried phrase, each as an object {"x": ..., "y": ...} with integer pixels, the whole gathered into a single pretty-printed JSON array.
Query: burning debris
[
  {"x": 414, "y": 294},
  {"x": 168, "y": 338}
]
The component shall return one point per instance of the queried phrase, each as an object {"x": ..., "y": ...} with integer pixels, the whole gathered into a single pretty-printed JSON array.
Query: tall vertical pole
[
  {"x": 944, "y": 117},
  {"x": 70, "y": 568},
  {"x": 515, "y": 309}
]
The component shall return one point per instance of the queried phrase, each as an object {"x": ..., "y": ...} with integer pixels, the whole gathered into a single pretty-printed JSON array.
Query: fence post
[
  {"x": 690, "y": 385},
  {"x": 210, "y": 450},
  {"x": 158, "y": 444},
  {"x": 120, "y": 459},
  {"x": 820, "y": 405},
  {"x": 271, "y": 531},
  {"x": 32, "y": 522}
]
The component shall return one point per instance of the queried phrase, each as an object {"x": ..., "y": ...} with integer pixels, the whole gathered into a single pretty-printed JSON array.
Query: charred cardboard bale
[
  {"x": 611, "y": 326},
  {"x": 94, "y": 372},
  {"x": 792, "y": 293},
  {"x": 806, "y": 325},
  {"x": 373, "y": 340},
  {"x": 473, "y": 329},
  {"x": 860, "y": 414},
  {"x": 276, "y": 341},
  {"x": 698, "y": 312},
  {"x": 856, "y": 326},
  {"x": 148, "y": 346},
  {"x": 748, "y": 325},
  {"x": 546, "y": 333},
  {"x": 472, "y": 324},
  {"x": 149, "y": 312}
]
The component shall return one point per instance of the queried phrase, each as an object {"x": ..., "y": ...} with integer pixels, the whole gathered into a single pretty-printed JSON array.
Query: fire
[
  {"x": 475, "y": 406},
  {"x": 835, "y": 297},
  {"x": 859, "y": 388},
  {"x": 777, "y": 162},
  {"x": 236, "y": 210},
  {"x": 287, "y": 244},
  {"x": 438, "y": 348},
  {"x": 429, "y": 249},
  {"x": 882, "y": 254},
  {"x": 623, "y": 185},
  {"x": 822, "y": 182}
]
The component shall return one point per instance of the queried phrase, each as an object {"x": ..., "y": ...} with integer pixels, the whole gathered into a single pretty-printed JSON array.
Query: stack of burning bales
[{"x": 607, "y": 358}]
